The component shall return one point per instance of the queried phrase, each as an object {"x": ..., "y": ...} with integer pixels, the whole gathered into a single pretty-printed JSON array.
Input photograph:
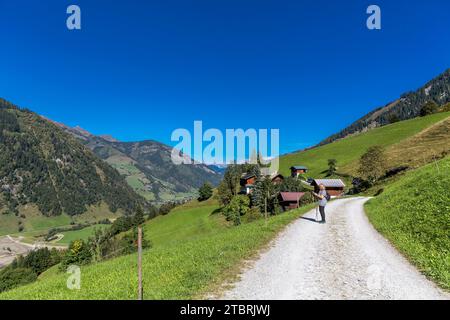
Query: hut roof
[
  {"x": 291, "y": 196},
  {"x": 331, "y": 183},
  {"x": 299, "y": 168}
]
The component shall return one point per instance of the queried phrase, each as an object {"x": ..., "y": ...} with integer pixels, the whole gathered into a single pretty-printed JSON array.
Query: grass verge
[{"x": 414, "y": 214}]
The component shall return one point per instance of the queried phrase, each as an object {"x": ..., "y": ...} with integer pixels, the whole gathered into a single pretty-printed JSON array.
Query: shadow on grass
[{"x": 216, "y": 211}]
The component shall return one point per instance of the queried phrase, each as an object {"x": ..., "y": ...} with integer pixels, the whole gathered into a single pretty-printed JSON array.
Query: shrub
[
  {"x": 14, "y": 277},
  {"x": 238, "y": 206},
  {"x": 205, "y": 192},
  {"x": 78, "y": 253},
  {"x": 121, "y": 224},
  {"x": 445, "y": 107},
  {"x": 307, "y": 199},
  {"x": 428, "y": 108},
  {"x": 40, "y": 260},
  {"x": 166, "y": 208},
  {"x": 128, "y": 244},
  {"x": 372, "y": 164},
  {"x": 253, "y": 214}
]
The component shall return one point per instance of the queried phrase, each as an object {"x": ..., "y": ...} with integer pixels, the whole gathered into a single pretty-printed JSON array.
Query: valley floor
[
  {"x": 346, "y": 258},
  {"x": 12, "y": 247}
]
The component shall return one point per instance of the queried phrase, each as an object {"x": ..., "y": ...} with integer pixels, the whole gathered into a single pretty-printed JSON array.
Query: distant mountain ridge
[
  {"x": 406, "y": 107},
  {"x": 147, "y": 166}
]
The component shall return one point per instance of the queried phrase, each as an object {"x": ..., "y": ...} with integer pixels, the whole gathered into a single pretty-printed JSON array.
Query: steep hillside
[
  {"x": 43, "y": 167},
  {"x": 402, "y": 140},
  {"x": 414, "y": 214},
  {"x": 420, "y": 149},
  {"x": 147, "y": 166},
  {"x": 406, "y": 107},
  {"x": 181, "y": 265}
]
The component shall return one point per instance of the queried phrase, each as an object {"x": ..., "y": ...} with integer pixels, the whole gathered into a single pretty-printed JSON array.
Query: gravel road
[{"x": 346, "y": 258}]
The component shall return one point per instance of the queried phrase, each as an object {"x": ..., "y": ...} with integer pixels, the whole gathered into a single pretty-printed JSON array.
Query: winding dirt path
[{"x": 346, "y": 258}]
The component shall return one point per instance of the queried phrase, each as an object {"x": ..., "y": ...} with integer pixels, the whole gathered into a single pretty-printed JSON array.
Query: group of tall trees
[
  {"x": 26, "y": 269},
  {"x": 230, "y": 184}
]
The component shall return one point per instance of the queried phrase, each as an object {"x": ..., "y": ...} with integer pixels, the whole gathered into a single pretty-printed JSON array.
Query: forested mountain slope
[
  {"x": 147, "y": 166},
  {"x": 40, "y": 164},
  {"x": 406, "y": 107}
]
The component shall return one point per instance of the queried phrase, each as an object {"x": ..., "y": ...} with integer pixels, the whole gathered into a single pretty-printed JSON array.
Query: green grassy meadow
[
  {"x": 82, "y": 234},
  {"x": 192, "y": 220},
  {"x": 197, "y": 264},
  {"x": 36, "y": 225},
  {"x": 414, "y": 214}
]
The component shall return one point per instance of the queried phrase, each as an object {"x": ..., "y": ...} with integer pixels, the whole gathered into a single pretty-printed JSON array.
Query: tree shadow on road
[{"x": 310, "y": 219}]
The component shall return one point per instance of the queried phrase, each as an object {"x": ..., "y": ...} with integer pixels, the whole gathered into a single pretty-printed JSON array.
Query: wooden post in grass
[
  {"x": 265, "y": 206},
  {"x": 139, "y": 262}
]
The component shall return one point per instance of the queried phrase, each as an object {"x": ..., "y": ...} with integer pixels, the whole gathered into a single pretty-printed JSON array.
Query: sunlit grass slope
[
  {"x": 414, "y": 214},
  {"x": 191, "y": 220},
  {"x": 193, "y": 250},
  {"x": 347, "y": 151}
]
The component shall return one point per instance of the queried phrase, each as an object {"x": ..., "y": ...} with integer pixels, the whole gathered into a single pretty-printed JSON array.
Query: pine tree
[
  {"x": 139, "y": 216},
  {"x": 205, "y": 192},
  {"x": 331, "y": 167},
  {"x": 264, "y": 196}
]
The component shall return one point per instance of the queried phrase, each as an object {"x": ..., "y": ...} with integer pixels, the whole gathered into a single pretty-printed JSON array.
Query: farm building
[
  {"x": 277, "y": 178},
  {"x": 248, "y": 178},
  {"x": 290, "y": 200},
  {"x": 247, "y": 182},
  {"x": 296, "y": 170},
  {"x": 335, "y": 187}
]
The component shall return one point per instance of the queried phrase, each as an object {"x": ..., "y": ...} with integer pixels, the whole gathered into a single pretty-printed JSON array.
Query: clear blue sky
[{"x": 140, "y": 69}]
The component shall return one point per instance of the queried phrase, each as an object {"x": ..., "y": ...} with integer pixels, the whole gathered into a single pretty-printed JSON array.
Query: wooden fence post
[{"x": 140, "y": 263}]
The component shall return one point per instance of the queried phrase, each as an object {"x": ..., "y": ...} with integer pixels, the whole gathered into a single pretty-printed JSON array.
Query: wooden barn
[
  {"x": 247, "y": 182},
  {"x": 248, "y": 178},
  {"x": 296, "y": 170},
  {"x": 290, "y": 200},
  {"x": 335, "y": 187},
  {"x": 277, "y": 178}
]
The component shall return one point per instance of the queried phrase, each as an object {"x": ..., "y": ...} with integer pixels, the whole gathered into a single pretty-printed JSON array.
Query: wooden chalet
[
  {"x": 247, "y": 182},
  {"x": 248, "y": 178},
  {"x": 296, "y": 170},
  {"x": 277, "y": 178},
  {"x": 335, "y": 187},
  {"x": 290, "y": 200}
]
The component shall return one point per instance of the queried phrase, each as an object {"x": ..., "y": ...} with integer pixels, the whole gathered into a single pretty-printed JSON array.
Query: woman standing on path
[{"x": 323, "y": 199}]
